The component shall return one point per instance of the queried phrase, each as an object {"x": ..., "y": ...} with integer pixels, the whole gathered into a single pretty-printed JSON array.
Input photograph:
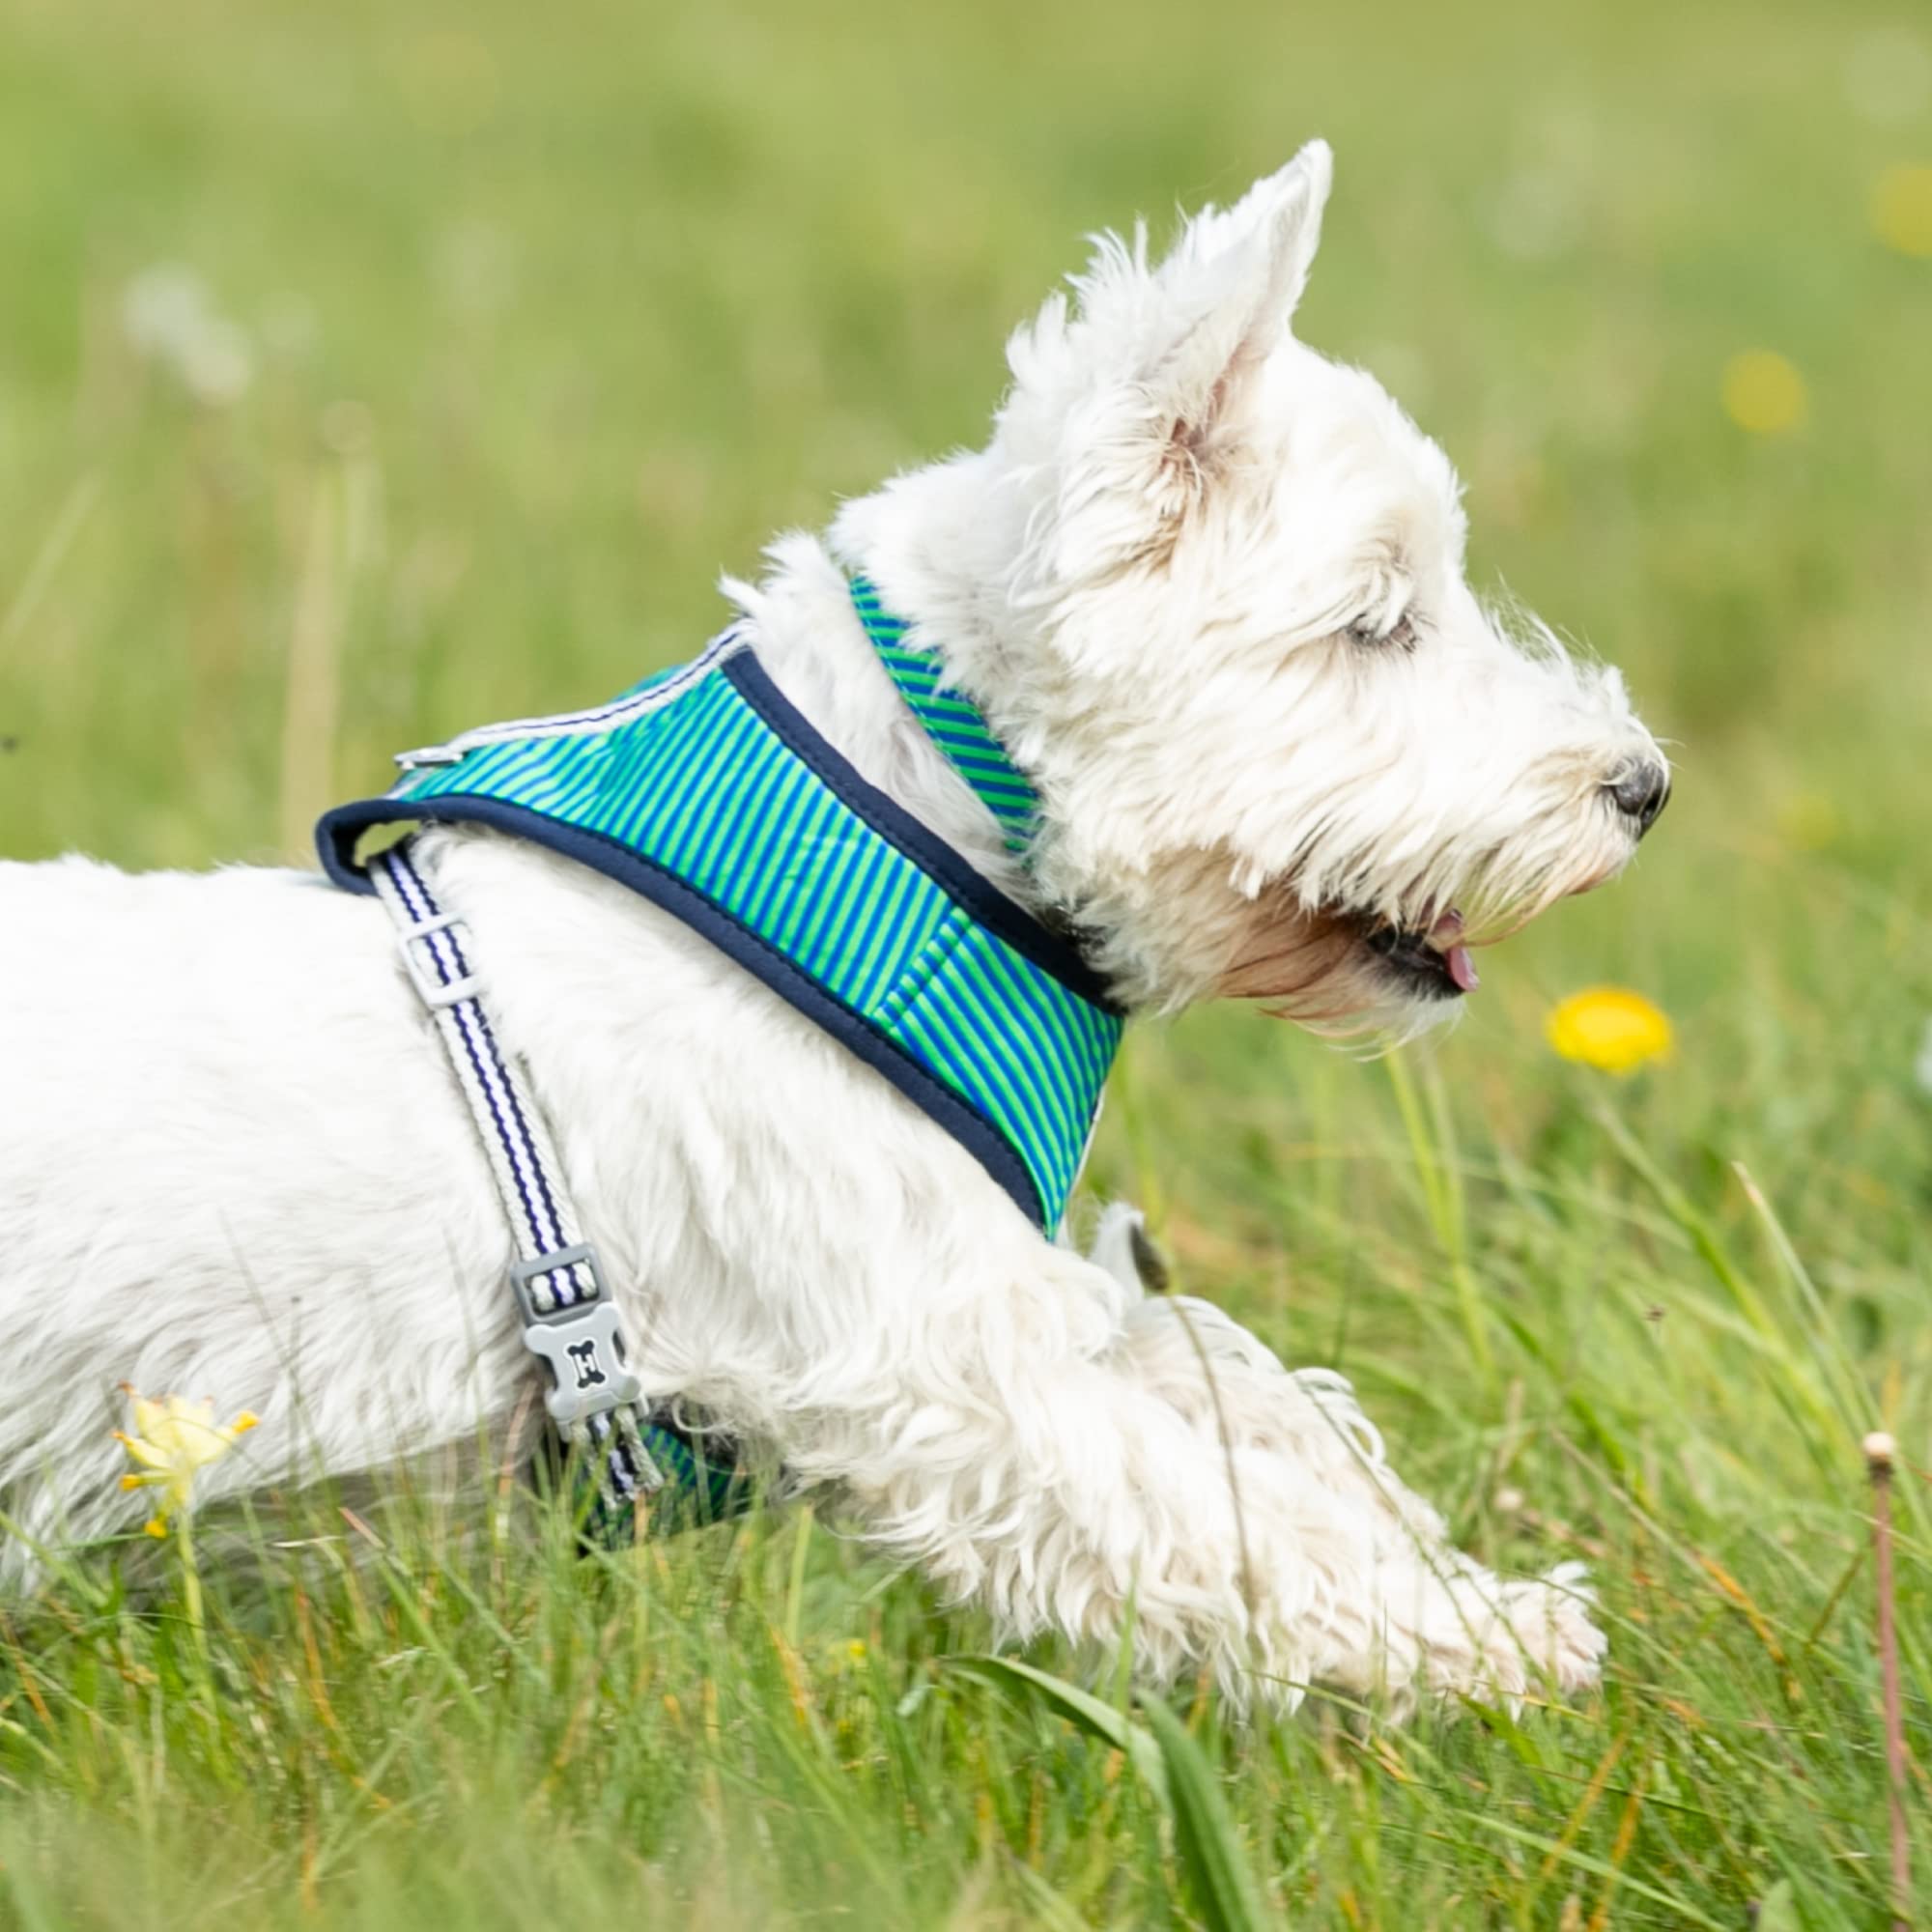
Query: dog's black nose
[{"x": 1641, "y": 793}]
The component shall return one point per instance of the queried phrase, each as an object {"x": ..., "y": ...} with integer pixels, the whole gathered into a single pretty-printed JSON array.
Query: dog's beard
[
  {"x": 1338, "y": 974},
  {"x": 1201, "y": 923},
  {"x": 1348, "y": 971},
  {"x": 1300, "y": 965}
]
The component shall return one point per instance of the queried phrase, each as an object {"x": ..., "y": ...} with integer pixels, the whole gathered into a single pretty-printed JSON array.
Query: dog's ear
[
  {"x": 1228, "y": 288},
  {"x": 1137, "y": 407}
]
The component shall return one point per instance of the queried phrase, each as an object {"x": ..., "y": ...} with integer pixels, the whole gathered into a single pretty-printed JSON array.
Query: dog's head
[{"x": 1212, "y": 593}]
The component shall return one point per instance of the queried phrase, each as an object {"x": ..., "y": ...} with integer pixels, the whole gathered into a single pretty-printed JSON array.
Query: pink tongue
[{"x": 1463, "y": 969}]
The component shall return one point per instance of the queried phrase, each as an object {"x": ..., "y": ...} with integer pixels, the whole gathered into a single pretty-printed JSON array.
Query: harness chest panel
[{"x": 706, "y": 791}]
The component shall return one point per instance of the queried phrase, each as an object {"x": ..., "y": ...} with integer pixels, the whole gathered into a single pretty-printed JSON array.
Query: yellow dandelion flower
[
  {"x": 1764, "y": 393},
  {"x": 172, "y": 1441},
  {"x": 1609, "y": 1028},
  {"x": 1901, "y": 210}
]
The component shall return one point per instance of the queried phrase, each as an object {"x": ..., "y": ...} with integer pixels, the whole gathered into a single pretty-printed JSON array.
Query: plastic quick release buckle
[{"x": 582, "y": 1344}]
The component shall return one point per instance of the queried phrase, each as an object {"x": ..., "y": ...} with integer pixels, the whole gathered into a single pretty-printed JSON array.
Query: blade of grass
[
  {"x": 1211, "y": 1853},
  {"x": 1080, "y": 1709}
]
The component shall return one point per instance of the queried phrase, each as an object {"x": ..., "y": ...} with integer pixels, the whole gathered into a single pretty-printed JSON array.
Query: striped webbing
[
  {"x": 556, "y": 1269},
  {"x": 951, "y": 720}
]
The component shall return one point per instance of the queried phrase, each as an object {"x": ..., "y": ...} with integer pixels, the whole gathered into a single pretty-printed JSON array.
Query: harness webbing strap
[{"x": 569, "y": 1320}]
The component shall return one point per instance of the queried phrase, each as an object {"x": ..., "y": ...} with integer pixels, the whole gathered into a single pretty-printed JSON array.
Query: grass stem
[{"x": 1879, "y": 1454}]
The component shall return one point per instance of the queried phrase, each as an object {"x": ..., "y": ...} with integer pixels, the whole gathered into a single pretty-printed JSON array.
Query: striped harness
[{"x": 706, "y": 791}]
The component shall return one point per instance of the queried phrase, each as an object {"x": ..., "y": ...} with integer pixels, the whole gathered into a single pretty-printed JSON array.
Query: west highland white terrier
[{"x": 1173, "y": 691}]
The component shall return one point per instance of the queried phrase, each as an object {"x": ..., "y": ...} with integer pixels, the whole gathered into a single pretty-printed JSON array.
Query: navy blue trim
[
  {"x": 338, "y": 832},
  {"x": 986, "y": 903}
]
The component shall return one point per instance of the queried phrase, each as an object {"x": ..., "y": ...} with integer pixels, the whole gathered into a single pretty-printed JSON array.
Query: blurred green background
[{"x": 369, "y": 371}]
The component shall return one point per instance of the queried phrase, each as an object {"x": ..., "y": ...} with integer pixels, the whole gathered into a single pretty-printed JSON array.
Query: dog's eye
[{"x": 1399, "y": 635}]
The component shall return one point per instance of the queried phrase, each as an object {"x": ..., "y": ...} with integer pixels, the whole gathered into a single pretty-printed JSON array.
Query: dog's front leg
[
  {"x": 1078, "y": 1459},
  {"x": 1027, "y": 1468},
  {"x": 1376, "y": 1594}
]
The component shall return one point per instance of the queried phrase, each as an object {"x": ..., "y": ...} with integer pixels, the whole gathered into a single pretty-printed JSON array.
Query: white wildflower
[{"x": 171, "y": 320}]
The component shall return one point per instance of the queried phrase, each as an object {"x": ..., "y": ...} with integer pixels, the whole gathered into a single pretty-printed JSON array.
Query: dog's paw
[
  {"x": 1551, "y": 1621},
  {"x": 1518, "y": 1641}
]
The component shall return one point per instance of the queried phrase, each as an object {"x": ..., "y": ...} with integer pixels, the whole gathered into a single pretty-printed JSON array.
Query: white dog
[{"x": 1206, "y": 589}]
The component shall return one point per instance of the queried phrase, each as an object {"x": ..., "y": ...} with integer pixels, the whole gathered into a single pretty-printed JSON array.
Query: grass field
[{"x": 510, "y": 328}]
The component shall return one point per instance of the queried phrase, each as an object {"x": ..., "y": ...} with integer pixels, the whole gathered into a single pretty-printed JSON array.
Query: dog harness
[{"x": 705, "y": 791}]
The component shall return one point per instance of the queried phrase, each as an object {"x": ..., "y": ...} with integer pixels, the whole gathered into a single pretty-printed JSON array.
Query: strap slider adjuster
[{"x": 435, "y": 993}]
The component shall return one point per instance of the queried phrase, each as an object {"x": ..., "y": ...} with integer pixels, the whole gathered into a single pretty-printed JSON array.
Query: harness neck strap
[{"x": 951, "y": 721}]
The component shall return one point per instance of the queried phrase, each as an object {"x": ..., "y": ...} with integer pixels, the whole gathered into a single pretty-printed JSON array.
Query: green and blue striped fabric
[
  {"x": 951, "y": 721},
  {"x": 708, "y": 792}
]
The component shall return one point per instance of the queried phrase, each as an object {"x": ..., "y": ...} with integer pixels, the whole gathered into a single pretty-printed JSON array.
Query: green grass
[{"x": 557, "y": 311}]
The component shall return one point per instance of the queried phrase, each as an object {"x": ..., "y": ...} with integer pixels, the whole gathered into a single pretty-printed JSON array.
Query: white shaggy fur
[{"x": 1207, "y": 587}]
